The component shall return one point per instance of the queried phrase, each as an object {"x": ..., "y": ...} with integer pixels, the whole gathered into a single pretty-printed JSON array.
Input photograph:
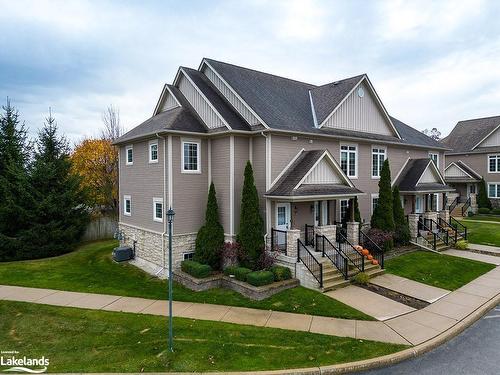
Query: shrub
[
  {"x": 259, "y": 278},
  {"x": 401, "y": 227},
  {"x": 382, "y": 238},
  {"x": 241, "y": 273},
  {"x": 470, "y": 213},
  {"x": 281, "y": 273},
  {"x": 230, "y": 254},
  {"x": 231, "y": 270},
  {"x": 483, "y": 210},
  {"x": 496, "y": 211},
  {"x": 361, "y": 278},
  {"x": 196, "y": 269},
  {"x": 266, "y": 260},
  {"x": 462, "y": 245},
  {"x": 482, "y": 196},
  {"x": 383, "y": 215}
]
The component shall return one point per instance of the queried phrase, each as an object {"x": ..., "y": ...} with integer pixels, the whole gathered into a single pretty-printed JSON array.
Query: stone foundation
[{"x": 150, "y": 254}]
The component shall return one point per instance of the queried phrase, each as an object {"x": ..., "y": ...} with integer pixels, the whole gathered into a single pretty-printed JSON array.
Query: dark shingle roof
[
  {"x": 468, "y": 133},
  {"x": 409, "y": 176},
  {"x": 234, "y": 120},
  {"x": 413, "y": 136},
  {"x": 299, "y": 168},
  {"x": 327, "y": 97}
]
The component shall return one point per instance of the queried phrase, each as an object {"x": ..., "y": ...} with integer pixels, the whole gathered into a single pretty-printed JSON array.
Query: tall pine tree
[
  {"x": 251, "y": 233},
  {"x": 210, "y": 238},
  {"x": 401, "y": 228},
  {"x": 383, "y": 216},
  {"x": 60, "y": 210},
  {"x": 15, "y": 198}
]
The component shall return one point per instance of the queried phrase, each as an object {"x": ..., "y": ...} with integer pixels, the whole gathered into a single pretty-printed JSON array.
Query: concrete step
[{"x": 328, "y": 286}]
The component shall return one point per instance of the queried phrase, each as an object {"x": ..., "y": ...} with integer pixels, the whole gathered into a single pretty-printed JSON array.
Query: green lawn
[
  {"x": 77, "y": 340},
  {"x": 443, "y": 271},
  {"x": 482, "y": 218},
  {"x": 90, "y": 269},
  {"x": 482, "y": 233}
]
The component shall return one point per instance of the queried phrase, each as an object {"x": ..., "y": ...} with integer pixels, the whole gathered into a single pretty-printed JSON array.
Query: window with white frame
[
  {"x": 494, "y": 190},
  {"x": 153, "y": 152},
  {"x": 158, "y": 209},
  {"x": 434, "y": 157},
  {"x": 127, "y": 205},
  {"x": 349, "y": 160},
  {"x": 344, "y": 206},
  {"x": 374, "y": 202},
  {"x": 378, "y": 157},
  {"x": 188, "y": 256},
  {"x": 494, "y": 163},
  {"x": 191, "y": 157},
  {"x": 129, "y": 155}
]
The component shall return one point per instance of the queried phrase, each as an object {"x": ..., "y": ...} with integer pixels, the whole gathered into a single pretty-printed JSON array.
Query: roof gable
[
  {"x": 420, "y": 175},
  {"x": 325, "y": 171},
  {"x": 430, "y": 175},
  {"x": 453, "y": 170},
  {"x": 467, "y": 135},
  {"x": 492, "y": 139},
  {"x": 167, "y": 100}
]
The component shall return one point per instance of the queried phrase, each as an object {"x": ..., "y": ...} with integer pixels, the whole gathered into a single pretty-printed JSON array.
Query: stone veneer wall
[{"x": 148, "y": 253}]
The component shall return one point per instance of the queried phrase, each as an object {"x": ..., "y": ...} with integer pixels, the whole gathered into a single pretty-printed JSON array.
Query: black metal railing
[
  {"x": 354, "y": 256},
  {"x": 341, "y": 231},
  {"x": 279, "y": 240},
  {"x": 422, "y": 227},
  {"x": 462, "y": 229},
  {"x": 466, "y": 206},
  {"x": 453, "y": 204},
  {"x": 441, "y": 232},
  {"x": 335, "y": 256},
  {"x": 309, "y": 235},
  {"x": 369, "y": 244},
  {"x": 311, "y": 263},
  {"x": 454, "y": 236}
]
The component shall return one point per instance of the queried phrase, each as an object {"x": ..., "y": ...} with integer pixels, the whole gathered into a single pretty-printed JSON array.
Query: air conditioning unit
[{"x": 123, "y": 253}]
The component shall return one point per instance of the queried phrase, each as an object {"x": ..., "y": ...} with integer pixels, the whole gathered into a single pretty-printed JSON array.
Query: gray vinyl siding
[
  {"x": 190, "y": 190},
  {"x": 240, "y": 161},
  {"x": 360, "y": 114},
  {"x": 220, "y": 178},
  {"x": 230, "y": 96},
  {"x": 201, "y": 106},
  {"x": 143, "y": 182},
  {"x": 169, "y": 102}
]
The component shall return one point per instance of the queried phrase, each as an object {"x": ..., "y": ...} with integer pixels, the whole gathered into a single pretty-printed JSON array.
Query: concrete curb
[{"x": 372, "y": 363}]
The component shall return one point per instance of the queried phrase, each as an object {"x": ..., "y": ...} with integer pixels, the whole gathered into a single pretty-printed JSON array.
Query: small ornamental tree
[
  {"x": 401, "y": 228},
  {"x": 251, "y": 232},
  {"x": 357, "y": 214},
  {"x": 482, "y": 196},
  {"x": 210, "y": 237},
  {"x": 383, "y": 215}
]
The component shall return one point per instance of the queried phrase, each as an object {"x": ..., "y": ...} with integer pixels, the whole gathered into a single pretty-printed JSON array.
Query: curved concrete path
[{"x": 412, "y": 328}]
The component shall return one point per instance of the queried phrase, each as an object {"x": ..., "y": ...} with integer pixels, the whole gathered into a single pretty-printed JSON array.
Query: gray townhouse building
[{"x": 312, "y": 148}]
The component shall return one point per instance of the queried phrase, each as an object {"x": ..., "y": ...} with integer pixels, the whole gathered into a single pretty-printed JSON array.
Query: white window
[
  {"x": 374, "y": 202},
  {"x": 494, "y": 190},
  {"x": 127, "y": 205},
  {"x": 191, "y": 157},
  {"x": 158, "y": 209},
  {"x": 378, "y": 157},
  {"x": 434, "y": 157},
  {"x": 418, "y": 204},
  {"x": 188, "y": 256},
  {"x": 153, "y": 152},
  {"x": 494, "y": 163},
  {"x": 349, "y": 160},
  {"x": 344, "y": 206},
  {"x": 129, "y": 155}
]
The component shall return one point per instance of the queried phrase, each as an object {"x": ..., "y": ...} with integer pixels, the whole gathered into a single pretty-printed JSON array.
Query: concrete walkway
[
  {"x": 409, "y": 287},
  {"x": 474, "y": 256},
  {"x": 491, "y": 250},
  {"x": 414, "y": 327}
]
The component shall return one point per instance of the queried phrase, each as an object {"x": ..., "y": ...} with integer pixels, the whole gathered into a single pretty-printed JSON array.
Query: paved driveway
[{"x": 474, "y": 351}]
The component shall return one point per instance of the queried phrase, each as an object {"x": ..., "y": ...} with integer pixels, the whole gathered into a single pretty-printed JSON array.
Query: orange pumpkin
[
  {"x": 365, "y": 252},
  {"x": 374, "y": 261},
  {"x": 369, "y": 257}
]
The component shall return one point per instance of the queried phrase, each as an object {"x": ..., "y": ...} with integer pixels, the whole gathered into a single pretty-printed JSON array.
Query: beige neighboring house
[
  {"x": 474, "y": 154},
  {"x": 312, "y": 148}
]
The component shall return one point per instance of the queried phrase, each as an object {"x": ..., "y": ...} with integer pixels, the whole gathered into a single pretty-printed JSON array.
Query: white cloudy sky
[{"x": 432, "y": 62}]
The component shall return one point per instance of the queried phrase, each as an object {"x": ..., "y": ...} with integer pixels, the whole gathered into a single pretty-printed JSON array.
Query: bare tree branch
[{"x": 111, "y": 120}]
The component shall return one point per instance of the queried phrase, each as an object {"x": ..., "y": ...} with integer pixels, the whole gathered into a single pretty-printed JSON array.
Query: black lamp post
[{"x": 170, "y": 219}]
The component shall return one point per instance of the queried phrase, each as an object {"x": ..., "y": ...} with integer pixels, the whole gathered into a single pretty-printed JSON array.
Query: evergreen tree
[
  {"x": 210, "y": 237},
  {"x": 401, "y": 228},
  {"x": 15, "y": 198},
  {"x": 383, "y": 216},
  {"x": 357, "y": 214},
  {"x": 251, "y": 233},
  {"x": 482, "y": 196},
  {"x": 60, "y": 213}
]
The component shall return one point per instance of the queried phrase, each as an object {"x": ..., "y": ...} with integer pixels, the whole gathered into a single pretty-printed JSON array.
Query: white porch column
[{"x": 353, "y": 232}]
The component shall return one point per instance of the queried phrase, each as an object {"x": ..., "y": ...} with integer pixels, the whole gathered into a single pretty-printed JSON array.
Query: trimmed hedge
[
  {"x": 231, "y": 270},
  {"x": 281, "y": 273},
  {"x": 241, "y": 273},
  {"x": 196, "y": 269},
  {"x": 259, "y": 278},
  {"x": 483, "y": 210},
  {"x": 462, "y": 245},
  {"x": 496, "y": 211}
]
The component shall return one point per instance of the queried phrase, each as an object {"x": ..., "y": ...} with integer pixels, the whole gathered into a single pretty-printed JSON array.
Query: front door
[{"x": 283, "y": 216}]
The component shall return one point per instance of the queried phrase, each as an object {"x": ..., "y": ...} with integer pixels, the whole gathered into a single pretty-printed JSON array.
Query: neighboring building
[
  {"x": 312, "y": 149},
  {"x": 475, "y": 153}
]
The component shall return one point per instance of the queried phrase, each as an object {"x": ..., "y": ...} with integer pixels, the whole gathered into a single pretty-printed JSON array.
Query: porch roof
[
  {"x": 467, "y": 173},
  {"x": 414, "y": 178}
]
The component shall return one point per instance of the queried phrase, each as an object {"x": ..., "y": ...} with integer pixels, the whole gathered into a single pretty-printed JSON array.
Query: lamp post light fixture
[{"x": 170, "y": 219}]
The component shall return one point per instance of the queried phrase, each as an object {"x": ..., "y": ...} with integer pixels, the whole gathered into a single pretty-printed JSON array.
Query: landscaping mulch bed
[{"x": 395, "y": 296}]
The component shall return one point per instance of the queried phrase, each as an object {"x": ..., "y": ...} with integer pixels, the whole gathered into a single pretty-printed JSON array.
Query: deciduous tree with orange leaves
[{"x": 96, "y": 160}]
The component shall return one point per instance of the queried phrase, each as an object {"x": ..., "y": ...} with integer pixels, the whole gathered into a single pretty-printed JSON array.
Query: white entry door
[{"x": 283, "y": 216}]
